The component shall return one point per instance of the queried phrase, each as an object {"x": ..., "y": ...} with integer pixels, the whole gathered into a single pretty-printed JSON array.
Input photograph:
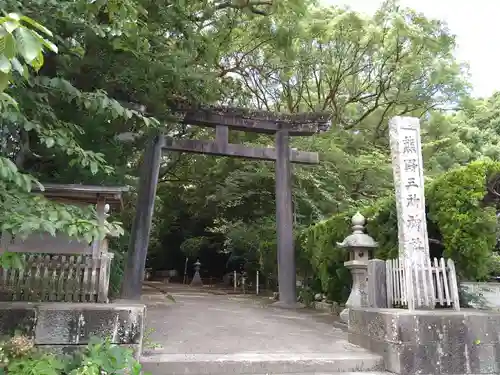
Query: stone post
[
  {"x": 197, "y": 278},
  {"x": 377, "y": 284},
  {"x": 359, "y": 245},
  {"x": 407, "y": 165}
]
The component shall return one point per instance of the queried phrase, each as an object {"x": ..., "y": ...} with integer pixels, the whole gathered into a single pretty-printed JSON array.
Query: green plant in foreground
[
  {"x": 147, "y": 342},
  {"x": 18, "y": 356},
  {"x": 306, "y": 296}
]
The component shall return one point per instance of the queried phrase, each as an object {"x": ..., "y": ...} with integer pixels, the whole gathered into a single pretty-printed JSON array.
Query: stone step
[
  {"x": 263, "y": 363},
  {"x": 327, "y": 373}
]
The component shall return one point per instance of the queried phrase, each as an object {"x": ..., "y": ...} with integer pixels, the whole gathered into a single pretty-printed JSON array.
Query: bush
[
  {"x": 18, "y": 356},
  {"x": 494, "y": 265},
  {"x": 460, "y": 210},
  {"x": 464, "y": 211},
  {"x": 317, "y": 244}
]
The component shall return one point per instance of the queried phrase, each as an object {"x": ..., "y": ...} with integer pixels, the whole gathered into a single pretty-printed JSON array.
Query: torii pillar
[{"x": 284, "y": 222}]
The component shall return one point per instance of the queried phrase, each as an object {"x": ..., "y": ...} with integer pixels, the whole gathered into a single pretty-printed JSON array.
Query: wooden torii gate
[{"x": 223, "y": 119}]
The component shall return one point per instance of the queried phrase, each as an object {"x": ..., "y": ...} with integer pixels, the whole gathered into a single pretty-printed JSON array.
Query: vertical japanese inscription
[
  {"x": 410, "y": 201},
  {"x": 408, "y": 173}
]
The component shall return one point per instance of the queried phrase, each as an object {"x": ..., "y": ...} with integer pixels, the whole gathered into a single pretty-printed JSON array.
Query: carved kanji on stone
[
  {"x": 409, "y": 145},
  {"x": 410, "y": 202},
  {"x": 411, "y": 165}
]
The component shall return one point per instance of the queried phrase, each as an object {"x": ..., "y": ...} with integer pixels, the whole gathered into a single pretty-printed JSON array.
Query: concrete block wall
[
  {"x": 429, "y": 342},
  {"x": 68, "y": 327}
]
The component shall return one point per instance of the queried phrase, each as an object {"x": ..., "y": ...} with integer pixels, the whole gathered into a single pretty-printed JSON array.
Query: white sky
[{"x": 470, "y": 22}]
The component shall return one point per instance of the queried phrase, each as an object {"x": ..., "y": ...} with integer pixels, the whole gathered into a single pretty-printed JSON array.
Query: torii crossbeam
[{"x": 223, "y": 119}]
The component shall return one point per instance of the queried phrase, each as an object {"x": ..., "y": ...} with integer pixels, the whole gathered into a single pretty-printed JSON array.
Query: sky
[{"x": 470, "y": 22}]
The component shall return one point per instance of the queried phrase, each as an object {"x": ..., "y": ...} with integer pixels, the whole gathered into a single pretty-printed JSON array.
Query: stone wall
[
  {"x": 69, "y": 326},
  {"x": 429, "y": 342}
]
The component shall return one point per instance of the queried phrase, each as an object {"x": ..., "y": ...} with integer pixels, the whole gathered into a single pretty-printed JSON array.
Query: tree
[
  {"x": 458, "y": 138},
  {"x": 23, "y": 42},
  {"x": 74, "y": 99},
  {"x": 123, "y": 65},
  {"x": 361, "y": 70}
]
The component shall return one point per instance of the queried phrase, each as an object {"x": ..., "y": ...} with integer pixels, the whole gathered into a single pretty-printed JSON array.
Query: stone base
[
  {"x": 429, "y": 342},
  {"x": 196, "y": 280},
  {"x": 344, "y": 315},
  {"x": 64, "y": 327}
]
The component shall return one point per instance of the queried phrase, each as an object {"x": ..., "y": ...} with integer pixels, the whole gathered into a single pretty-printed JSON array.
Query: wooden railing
[
  {"x": 444, "y": 282},
  {"x": 80, "y": 278}
]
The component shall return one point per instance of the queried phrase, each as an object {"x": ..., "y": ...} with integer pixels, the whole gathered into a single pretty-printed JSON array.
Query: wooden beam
[
  {"x": 236, "y": 150},
  {"x": 297, "y": 125},
  {"x": 245, "y": 119}
]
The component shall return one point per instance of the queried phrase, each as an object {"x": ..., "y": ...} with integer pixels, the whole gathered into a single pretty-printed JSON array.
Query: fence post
[
  {"x": 257, "y": 283},
  {"x": 389, "y": 283},
  {"x": 453, "y": 285},
  {"x": 234, "y": 281}
]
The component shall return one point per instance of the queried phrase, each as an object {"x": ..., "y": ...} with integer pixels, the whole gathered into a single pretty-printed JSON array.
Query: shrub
[
  {"x": 460, "y": 210},
  {"x": 18, "y": 356}
]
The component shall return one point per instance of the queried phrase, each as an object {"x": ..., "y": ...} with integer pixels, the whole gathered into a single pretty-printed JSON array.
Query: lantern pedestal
[
  {"x": 358, "y": 296},
  {"x": 196, "y": 278},
  {"x": 360, "y": 247}
]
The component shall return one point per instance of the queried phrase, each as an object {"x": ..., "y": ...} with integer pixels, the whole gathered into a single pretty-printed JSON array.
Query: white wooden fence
[
  {"x": 444, "y": 283},
  {"x": 80, "y": 278}
]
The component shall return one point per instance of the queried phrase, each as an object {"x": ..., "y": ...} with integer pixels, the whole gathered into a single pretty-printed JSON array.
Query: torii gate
[{"x": 223, "y": 119}]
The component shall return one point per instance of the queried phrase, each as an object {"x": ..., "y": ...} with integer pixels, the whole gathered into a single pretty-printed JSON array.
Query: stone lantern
[
  {"x": 360, "y": 247},
  {"x": 197, "y": 278}
]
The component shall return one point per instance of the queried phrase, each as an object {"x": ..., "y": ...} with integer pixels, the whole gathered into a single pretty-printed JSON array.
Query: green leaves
[
  {"x": 10, "y": 173},
  {"x": 468, "y": 228},
  {"x": 99, "y": 357},
  {"x": 43, "y": 364},
  {"x": 457, "y": 216},
  {"x": 28, "y": 45},
  {"x": 36, "y": 25},
  {"x": 10, "y": 260},
  {"x": 25, "y": 213},
  {"x": 7, "y": 45},
  {"x": 103, "y": 357},
  {"x": 361, "y": 69},
  {"x": 17, "y": 38},
  {"x": 5, "y": 66}
]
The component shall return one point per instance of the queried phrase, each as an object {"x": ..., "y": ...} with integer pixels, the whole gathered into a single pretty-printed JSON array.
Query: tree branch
[{"x": 245, "y": 4}]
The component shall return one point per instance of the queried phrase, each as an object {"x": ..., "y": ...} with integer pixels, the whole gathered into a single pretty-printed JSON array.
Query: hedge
[{"x": 461, "y": 216}]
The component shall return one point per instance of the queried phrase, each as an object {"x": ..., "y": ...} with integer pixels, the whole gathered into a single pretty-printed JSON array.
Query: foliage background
[
  {"x": 119, "y": 65},
  {"x": 461, "y": 218}
]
